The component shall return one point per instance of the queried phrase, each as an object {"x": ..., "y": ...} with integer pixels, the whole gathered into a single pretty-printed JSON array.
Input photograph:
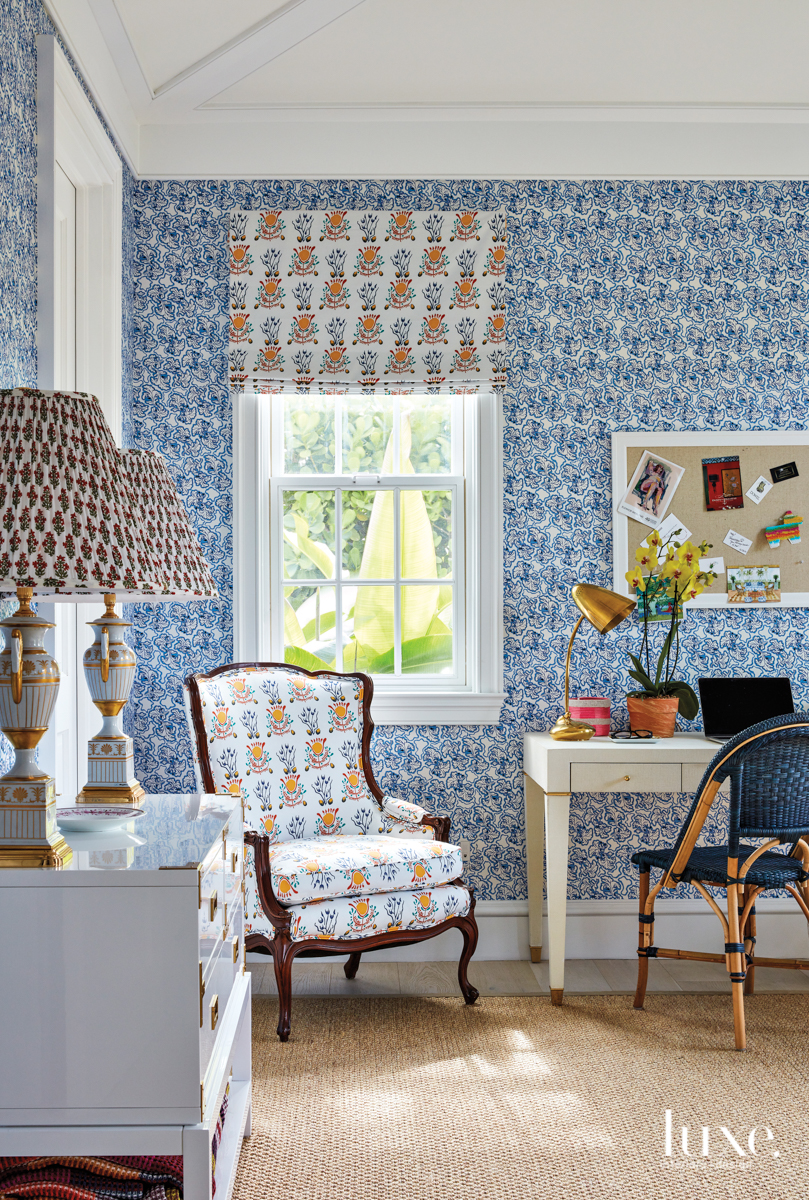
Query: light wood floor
[{"x": 513, "y": 978}]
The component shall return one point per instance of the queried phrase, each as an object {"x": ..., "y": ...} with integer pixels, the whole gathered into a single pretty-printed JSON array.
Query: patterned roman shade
[{"x": 366, "y": 298}]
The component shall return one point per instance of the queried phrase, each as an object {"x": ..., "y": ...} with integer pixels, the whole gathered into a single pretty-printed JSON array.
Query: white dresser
[{"x": 126, "y": 1003}]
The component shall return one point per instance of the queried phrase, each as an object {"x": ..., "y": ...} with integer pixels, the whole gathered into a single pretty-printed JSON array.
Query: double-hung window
[{"x": 379, "y": 549}]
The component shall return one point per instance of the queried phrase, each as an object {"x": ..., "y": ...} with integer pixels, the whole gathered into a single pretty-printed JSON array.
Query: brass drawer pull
[
  {"x": 234, "y": 862},
  {"x": 214, "y": 1011},
  {"x": 627, "y": 778},
  {"x": 225, "y": 923},
  {"x": 236, "y": 948},
  {"x": 201, "y": 993},
  {"x": 213, "y": 905}
]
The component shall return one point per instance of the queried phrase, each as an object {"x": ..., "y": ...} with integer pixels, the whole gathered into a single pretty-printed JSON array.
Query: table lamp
[
  {"x": 67, "y": 526},
  {"x": 109, "y": 664},
  {"x": 604, "y": 610}
]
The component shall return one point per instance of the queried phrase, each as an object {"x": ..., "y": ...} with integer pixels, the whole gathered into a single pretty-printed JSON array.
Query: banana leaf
[
  {"x": 293, "y": 634},
  {"x": 297, "y": 657},
  {"x": 416, "y": 655},
  {"x": 317, "y": 553}
]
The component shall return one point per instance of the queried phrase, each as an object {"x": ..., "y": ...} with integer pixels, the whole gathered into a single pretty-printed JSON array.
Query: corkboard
[{"x": 689, "y": 506}]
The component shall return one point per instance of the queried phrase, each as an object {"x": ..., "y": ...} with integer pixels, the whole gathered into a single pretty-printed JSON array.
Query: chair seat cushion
[
  {"x": 384, "y": 912},
  {"x": 710, "y": 864},
  {"x": 324, "y": 868}
]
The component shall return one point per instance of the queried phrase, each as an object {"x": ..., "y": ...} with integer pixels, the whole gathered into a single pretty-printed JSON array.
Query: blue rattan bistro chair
[{"x": 768, "y": 768}]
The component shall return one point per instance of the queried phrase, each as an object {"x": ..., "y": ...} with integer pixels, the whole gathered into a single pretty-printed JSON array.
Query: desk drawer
[
  {"x": 693, "y": 772},
  {"x": 625, "y": 777}
]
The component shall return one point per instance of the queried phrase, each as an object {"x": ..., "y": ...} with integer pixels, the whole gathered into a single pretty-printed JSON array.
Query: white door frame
[
  {"x": 70, "y": 132},
  {"x": 71, "y": 135}
]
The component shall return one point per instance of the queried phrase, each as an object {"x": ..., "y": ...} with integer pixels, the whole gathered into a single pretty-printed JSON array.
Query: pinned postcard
[
  {"x": 737, "y": 541},
  {"x": 651, "y": 489},
  {"x": 715, "y": 565},
  {"x": 759, "y": 490},
  {"x": 670, "y": 527},
  {"x": 754, "y": 585},
  {"x": 723, "y": 483}
]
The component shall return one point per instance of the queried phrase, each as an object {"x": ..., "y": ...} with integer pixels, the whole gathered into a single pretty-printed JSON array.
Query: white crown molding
[
  {"x": 698, "y": 114},
  {"x": 476, "y": 150},
  {"x": 123, "y": 53},
  {"x": 79, "y": 30}
]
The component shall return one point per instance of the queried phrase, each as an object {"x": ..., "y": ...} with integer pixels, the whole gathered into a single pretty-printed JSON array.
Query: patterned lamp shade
[
  {"x": 66, "y": 512},
  {"x": 167, "y": 530},
  {"x": 109, "y": 664}
]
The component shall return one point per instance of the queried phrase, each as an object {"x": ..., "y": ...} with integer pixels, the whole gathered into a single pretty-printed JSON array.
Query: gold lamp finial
[{"x": 604, "y": 610}]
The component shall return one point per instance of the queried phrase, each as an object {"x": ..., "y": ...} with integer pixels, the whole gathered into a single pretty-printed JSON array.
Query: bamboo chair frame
[{"x": 739, "y": 925}]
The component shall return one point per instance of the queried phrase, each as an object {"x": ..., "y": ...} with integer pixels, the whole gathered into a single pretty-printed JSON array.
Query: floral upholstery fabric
[
  {"x": 387, "y": 912},
  {"x": 290, "y": 747},
  {"x": 325, "y": 868}
]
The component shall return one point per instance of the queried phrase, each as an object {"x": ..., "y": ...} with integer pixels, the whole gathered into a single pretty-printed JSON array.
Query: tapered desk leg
[
  {"x": 557, "y": 832},
  {"x": 535, "y": 862}
]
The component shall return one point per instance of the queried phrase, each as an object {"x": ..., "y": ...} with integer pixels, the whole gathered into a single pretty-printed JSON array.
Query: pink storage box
[{"x": 595, "y": 710}]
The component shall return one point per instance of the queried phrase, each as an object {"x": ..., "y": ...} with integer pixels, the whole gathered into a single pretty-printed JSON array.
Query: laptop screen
[{"x": 731, "y": 705}]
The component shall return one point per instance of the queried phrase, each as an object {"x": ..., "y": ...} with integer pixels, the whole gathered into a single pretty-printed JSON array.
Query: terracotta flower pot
[{"x": 655, "y": 713}]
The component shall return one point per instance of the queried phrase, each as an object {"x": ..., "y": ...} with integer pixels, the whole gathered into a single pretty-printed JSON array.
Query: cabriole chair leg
[
  {"x": 350, "y": 967},
  {"x": 469, "y": 930},
  {"x": 282, "y": 956}
]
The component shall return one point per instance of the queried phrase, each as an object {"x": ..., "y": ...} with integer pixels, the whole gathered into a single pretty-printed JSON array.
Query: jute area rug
[{"x": 400, "y": 1098}]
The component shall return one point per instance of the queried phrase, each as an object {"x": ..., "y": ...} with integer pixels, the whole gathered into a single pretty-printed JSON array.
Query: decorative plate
[{"x": 89, "y": 818}]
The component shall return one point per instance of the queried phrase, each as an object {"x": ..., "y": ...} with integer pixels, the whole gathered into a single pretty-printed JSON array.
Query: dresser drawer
[
  {"x": 625, "y": 777},
  {"x": 211, "y": 908}
]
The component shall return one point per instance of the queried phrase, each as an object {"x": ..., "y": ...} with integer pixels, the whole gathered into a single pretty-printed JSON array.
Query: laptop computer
[{"x": 731, "y": 705}]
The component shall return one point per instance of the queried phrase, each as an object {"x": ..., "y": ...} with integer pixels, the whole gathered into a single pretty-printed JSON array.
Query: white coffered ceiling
[{"x": 281, "y": 87}]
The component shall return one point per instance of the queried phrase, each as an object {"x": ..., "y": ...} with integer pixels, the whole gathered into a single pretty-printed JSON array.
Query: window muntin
[{"x": 367, "y": 497}]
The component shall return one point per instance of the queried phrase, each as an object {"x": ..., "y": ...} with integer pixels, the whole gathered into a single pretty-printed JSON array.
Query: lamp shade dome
[{"x": 602, "y": 608}]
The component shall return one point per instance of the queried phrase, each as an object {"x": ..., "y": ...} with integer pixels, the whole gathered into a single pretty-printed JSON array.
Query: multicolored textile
[
  {"x": 147, "y": 1177},
  {"x": 289, "y": 747},
  {"x": 217, "y": 1137},
  {"x": 387, "y": 912},
  {"x": 325, "y": 868},
  {"x": 367, "y": 297}
]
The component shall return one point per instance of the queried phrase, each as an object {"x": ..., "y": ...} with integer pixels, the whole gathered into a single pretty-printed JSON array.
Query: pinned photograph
[
  {"x": 784, "y": 472},
  {"x": 651, "y": 489},
  {"x": 759, "y": 490},
  {"x": 723, "y": 483},
  {"x": 754, "y": 585},
  {"x": 658, "y": 606}
]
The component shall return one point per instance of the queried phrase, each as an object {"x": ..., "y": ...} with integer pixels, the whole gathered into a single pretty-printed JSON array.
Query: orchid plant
[{"x": 666, "y": 575}]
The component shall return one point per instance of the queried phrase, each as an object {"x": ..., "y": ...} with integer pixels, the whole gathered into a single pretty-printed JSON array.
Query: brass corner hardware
[
  {"x": 213, "y": 905},
  {"x": 201, "y": 1101},
  {"x": 235, "y": 945},
  {"x": 225, "y": 922},
  {"x": 201, "y": 993},
  {"x": 214, "y": 1011},
  {"x": 234, "y": 862}
]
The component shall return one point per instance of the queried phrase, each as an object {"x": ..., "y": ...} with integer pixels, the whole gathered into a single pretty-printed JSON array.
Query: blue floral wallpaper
[{"x": 632, "y": 305}]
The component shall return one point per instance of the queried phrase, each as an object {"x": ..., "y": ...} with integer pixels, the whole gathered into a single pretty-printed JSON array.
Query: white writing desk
[{"x": 553, "y": 770}]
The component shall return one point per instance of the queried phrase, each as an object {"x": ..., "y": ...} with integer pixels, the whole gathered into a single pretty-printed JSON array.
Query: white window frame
[{"x": 479, "y": 699}]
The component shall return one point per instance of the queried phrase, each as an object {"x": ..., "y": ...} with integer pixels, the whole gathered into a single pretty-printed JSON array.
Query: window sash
[{"x": 340, "y": 580}]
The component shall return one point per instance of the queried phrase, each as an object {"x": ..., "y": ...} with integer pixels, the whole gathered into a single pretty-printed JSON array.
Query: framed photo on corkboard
[{"x": 742, "y": 491}]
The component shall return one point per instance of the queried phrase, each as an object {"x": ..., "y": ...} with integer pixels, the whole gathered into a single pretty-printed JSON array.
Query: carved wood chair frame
[
  {"x": 739, "y": 926},
  {"x": 281, "y": 947}
]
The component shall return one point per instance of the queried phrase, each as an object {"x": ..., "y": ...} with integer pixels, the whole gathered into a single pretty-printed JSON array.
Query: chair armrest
[
  {"x": 412, "y": 816},
  {"x": 275, "y": 912}
]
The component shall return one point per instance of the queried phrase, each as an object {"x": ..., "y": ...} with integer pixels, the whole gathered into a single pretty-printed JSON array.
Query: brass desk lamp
[{"x": 604, "y": 610}]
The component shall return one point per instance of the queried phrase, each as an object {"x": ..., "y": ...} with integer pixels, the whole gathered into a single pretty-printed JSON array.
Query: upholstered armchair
[{"x": 332, "y": 865}]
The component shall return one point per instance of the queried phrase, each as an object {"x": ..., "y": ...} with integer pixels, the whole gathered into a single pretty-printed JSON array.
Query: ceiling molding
[
  {"x": 123, "y": 53},
  {"x": 476, "y": 150},
  {"x": 632, "y": 113},
  {"x": 228, "y": 65},
  {"x": 77, "y": 27}
]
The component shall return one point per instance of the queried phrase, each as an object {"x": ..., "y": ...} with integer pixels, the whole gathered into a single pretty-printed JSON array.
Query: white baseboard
[{"x": 607, "y": 929}]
